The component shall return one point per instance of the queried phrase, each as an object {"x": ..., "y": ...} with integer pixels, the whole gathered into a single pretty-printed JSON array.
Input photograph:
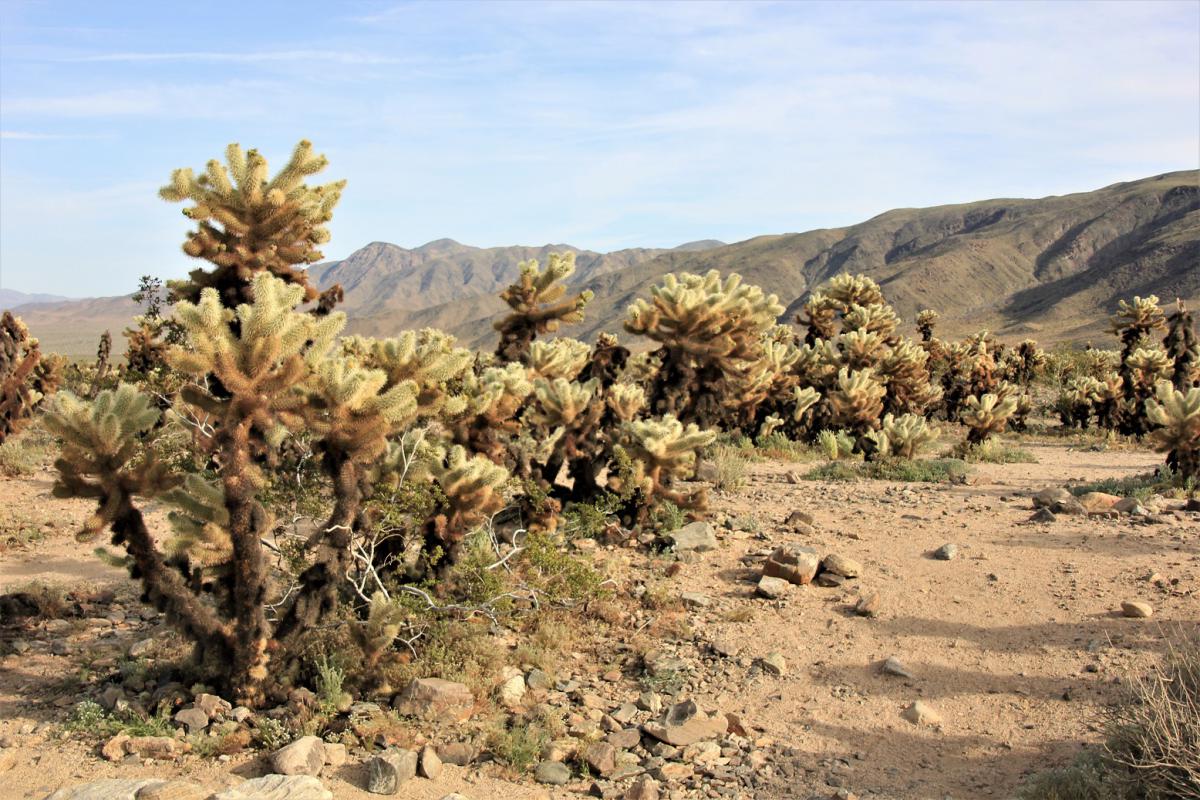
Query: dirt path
[{"x": 1014, "y": 643}]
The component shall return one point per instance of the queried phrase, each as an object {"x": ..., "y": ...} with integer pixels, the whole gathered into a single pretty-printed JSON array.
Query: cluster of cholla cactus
[
  {"x": 538, "y": 425},
  {"x": 27, "y": 376},
  {"x": 1117, "y": 389}
]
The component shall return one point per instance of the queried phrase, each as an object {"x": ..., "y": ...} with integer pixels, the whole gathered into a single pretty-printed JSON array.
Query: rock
[
  {"x": 673, "y": 771},
  {"x": 893, "y": 666},
  {"x": 642, "y": 789},
  {"x": 1042, "y": 515},
  {"x": 626, "y": 713},
  {"x": 1137, "y": 609},
  {"x": 431, "y": 698},
  {"x": 142, "y": 648},
  {"x": 457, "y": 753},
  {"x": 868, "y": 605},
  {"x": 695, "y": 537},
  {"x": 457, "y": 796},
  {"x": 193, "y": 719},
  {"x": 305, "y": 756},
  {"x": 240, "y": 714},
  {"x": 921, "y": 713},
  {"x": 601, "y": 757},
  {"x": 828, "y": 580},
  {"x": 537, "y": 680},
  {"x": 553, "y": 773},
  {"x": 946, "y": 552},
  {"x": 388, "y": 770},
  {"x": 695, "y": 600},
  {"x": 107, "y": 789},
  {"x": 626, "y": 739},
  {"x": 841, "y": 565},
  {"x": 213, "y": 706},
  {"x": 797, "y": 518},
  {"x": 1094, "y": 502},
  {"x": 707, "y": 471},
  {"x": 277, "y": 787},
  {"x": 114, "y": 748},
  {"x": 428, "y": 763},
  {"x": 157, "y": 747},
  {"x": 174, "y": 790},
  {"x": 335, "y": 754},
  {"x": 512, "y": 691},
  {"x": 774, "y": 663},
  {"x": 793, "y": 563},
  {"x": 771, "y": 588},
  {"x": 684, "y": 724},
  {"x": 1048, "y": 497}
]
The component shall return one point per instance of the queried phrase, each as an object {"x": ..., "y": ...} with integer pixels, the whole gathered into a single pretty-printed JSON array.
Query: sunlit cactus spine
[
  {"x": 661, "y": 452},
  {"x": 986, "y": 416},
  {"x": 540, "y": 304},
  {"x": 249, "y": 222},
  {"x": 1177, "y": 415}
]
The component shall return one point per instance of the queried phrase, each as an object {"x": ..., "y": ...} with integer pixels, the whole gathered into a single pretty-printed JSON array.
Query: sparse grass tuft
[
  {"x": 1143, "y": 486},
  {"x": 931, "y": 470},
  {"x": 1085, "y": 778},
  {"x": 730, "y": 467},
  {"x": 90, "y": 719},
  {"x": 995, "y": 451},
  {"x": 26, "y": 452}
]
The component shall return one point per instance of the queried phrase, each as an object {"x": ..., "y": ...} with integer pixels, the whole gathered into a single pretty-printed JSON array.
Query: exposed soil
[{"x": 1017, "y": 643}]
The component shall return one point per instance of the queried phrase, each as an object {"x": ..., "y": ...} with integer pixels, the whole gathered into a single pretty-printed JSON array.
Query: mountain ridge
[{"x": 1052, "y": 268}]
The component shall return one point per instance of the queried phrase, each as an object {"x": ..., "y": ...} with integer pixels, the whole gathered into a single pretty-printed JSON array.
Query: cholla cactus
[
  {"x": 248, "y": 222},
  {"x": 857, "y": 400},
  {"x": 558, "y": 358},
  {"x": 661, "y": 451},
  {"x": 626, "y": 401},
  {"x": 926, "y": 322},
  {"x": 471, "y": 485},
  {"x": 709, "y": 330},
  {"x": 1183, "y": 347},
  {"x": 1136, "y": 320},
  {"x": 428, "y": 358},
  {"x": 904, "y": 436},
  {"x": 1077, "y": 401},
  {"x": 1178, "y": 415},
  {"x": 987, "y": 415},
  {"x": 20, "y": 389},
  {"x": 540, "y": 304}
]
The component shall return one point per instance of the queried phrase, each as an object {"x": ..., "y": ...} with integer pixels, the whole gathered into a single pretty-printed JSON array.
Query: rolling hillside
[{"x": 1051, "y": 268}]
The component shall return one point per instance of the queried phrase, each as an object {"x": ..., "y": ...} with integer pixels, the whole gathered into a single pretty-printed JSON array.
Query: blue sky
[{"x": 604, "y": 125}]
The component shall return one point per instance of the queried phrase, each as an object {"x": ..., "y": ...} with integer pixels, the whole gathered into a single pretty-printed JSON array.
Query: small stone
[
  {"x": 771, "y": 588},
  {"x": 893, "y": 666},
  {"x": 842, "y": 565},
  {"x": 643, "y": 789},
  {"x": 114, "y": 748},
  {"x": 774, "y": 663},
  {"x": 626, "y": 739},
  {"x": 162, "y": 748},
  {"x": 696, "y": 537},
  {"x": 696, "y": 600},
  {"x": 792, "y": 562},
  {"x": 193, "y": 719},
  {"x": 434, "y": 698},
  {"x": 553, "y": 773},
  {"x": 921, "y": 713},
  {"x": 1137, "y": 609},
  {"x": 946, "y": 552},
  {"x": 212, "y": 705},
  {"x": 240, "y": 714},
  {"x": 429, "y": 765},
  {"x": 1042, "y": 515},
  {"x": 335, "y": 754},
  {"x": 537, "y": 680},
  {"x": 512, "y": 691},
  {"x": 684, "y": 724},
  {"x": 1098, "y": 502},
  {"x": 107, "y": 789},
  {"x": 798, "y": 517},
  {"x": 868, "y": 605},
  {"x": 388, "y": 770},
  {"x": 305, "y": 756},
  {"x": 459, "y": 754},
  {"x": 601, "y": 757}
]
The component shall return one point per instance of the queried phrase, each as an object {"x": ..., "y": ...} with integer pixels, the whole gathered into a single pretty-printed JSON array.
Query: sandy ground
[{"x": 1016, "y": 643}]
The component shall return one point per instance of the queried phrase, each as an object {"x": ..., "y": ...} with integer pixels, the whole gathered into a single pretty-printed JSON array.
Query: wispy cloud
[
  {"x": 311, "y": 56},
  {"x": 33, "y": 136}
]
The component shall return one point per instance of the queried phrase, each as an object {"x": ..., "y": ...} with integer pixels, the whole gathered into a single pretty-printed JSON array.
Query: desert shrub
[
  {"x": 1085, "y": 778},
  {"x": 729, "y": 468},
  {"x": 995, "y": 451},
  {"x": 1153, "y": 733},
  {"x": 23, "y": 454}
]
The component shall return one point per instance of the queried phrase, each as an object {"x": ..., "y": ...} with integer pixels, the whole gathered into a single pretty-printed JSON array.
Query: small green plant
[
  {"x": 835, "y": 444},
  {"x": 729, "y": 465},
  {"x": 995, "y": 451},
  {"x": 932, "y": 470},
  {"x": 667, "y": 517},
  {"x": 1085, "y": 778},
  {"x": 561, "y": 576},
  {"x": 89, "y": 718},
  {"x": 331, "y": 679},
  {"x": 518, "y": 745},
  {"x": 270, "y": 734}
]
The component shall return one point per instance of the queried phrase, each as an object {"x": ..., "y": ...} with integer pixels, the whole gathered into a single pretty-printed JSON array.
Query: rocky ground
[{"x": 949, "y": 648}]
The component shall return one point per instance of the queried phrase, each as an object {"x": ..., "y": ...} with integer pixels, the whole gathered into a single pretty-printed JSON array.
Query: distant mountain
[
  {"x": 1052, "y": 268},
  {"x": 11, "y": 298}
]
